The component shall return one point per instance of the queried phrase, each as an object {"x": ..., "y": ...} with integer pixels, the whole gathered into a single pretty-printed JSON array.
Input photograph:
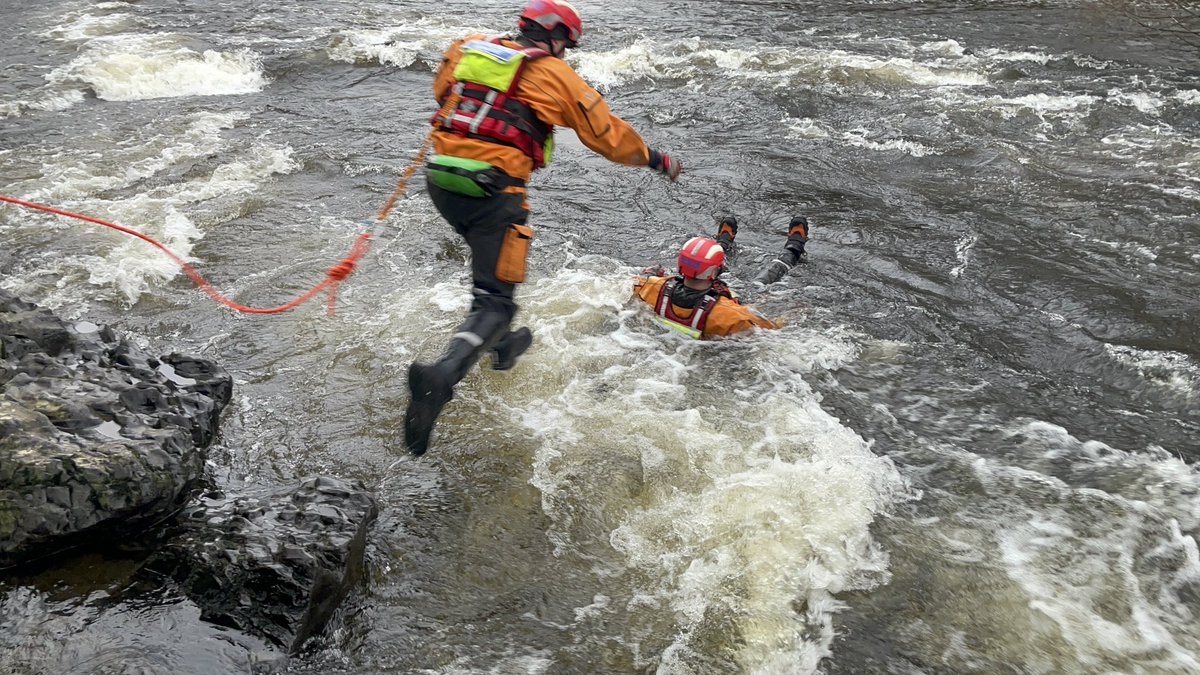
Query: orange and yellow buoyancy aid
[
  {"x": 486, "y": 80},
  {"x": 722, "y": 316},
  {"x": 693, "y": 325}
]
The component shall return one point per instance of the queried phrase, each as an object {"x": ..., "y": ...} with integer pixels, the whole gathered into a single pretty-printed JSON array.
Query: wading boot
[
  {"x": 510, "y": 347},
  {"x": 431, "y": 391},
  {"x": 432, "y": 387}
]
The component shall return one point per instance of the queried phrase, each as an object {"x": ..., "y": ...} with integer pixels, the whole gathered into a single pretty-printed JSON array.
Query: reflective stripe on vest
[
  {"x": 487, "y": 76},
  {"x": 692, "y": 326}
]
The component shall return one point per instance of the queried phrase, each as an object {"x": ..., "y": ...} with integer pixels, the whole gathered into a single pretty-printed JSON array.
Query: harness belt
[{"x": 470, "y": 177}]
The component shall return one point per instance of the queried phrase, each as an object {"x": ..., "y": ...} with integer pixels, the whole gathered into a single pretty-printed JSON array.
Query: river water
[{"x": 971, "y": 450}]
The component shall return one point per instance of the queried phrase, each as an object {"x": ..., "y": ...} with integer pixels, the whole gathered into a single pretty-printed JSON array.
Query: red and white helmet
[
  {"x": 701, "y": 258},
  {"x": 550, "y": 14}
]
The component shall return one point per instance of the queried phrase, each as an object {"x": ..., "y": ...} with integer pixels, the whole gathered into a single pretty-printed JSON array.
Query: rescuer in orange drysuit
[
  {"x": 696, "y": 302},
  {"x": 501, "y": 99}
]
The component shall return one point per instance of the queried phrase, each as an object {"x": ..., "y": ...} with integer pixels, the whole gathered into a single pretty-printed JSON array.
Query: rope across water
[{"x": 333, "y": 278}]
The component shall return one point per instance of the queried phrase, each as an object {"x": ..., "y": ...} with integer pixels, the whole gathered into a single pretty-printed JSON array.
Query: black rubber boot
[
  {"x": 432, "y": 387},
  {"x": 793, "y": 252},
  {"x": 431, "y": 390},
  {"x": 797, "y": 235},
  {"x": 510, "y": 347},
  {"x": 726, "y": 232}
]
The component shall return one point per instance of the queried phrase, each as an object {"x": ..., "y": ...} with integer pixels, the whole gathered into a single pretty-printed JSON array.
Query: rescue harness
[
  {"x": 486, "y": 77},
  {"x": 664, "y": 311}
]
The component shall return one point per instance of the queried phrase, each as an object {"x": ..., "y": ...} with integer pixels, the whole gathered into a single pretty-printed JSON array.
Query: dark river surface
[{"x": 972, "y": 449}]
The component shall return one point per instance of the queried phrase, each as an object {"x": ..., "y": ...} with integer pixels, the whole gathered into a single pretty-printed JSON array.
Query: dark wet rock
[
  {"x": 99, "y": 440},
  {"x": 96, "y": 437},
  {"x": 274, "y": 563},
  {"x": 1011, "y": 74}
]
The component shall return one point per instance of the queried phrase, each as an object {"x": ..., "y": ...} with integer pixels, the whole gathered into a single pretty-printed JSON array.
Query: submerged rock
[
  {"x": 96, "y": 437},
  {"x": 275, "y": 563}
]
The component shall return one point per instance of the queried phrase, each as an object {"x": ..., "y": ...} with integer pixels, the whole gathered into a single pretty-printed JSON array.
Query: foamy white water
[
  {"x": 48, "y": 103},
  {"x": 770, "y": 66},
  {"x": 140, "y": 67},
  {"x": 695, "y": 502},
  {"x": 1095, "y": 546},
  {"x": 128, "y": 265},
  {"x": 748, "y": 501},
  {"x": 992, "y": 200},
  {"x": 86, "y": 25},
  {"x": 401, "y": 45},
  {"x": 1107, "y": 564},
  {"x": 69, "y": 176},
  {"x": 1172, "y": 370},
  {"x": 862, "y": 138}
]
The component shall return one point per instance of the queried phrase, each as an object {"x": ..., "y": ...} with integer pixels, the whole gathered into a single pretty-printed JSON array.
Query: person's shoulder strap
[
  {"x": 534, "y": 53},
  {"x": 664, "y": 295},
  {"x": 529, "y": 52},
  {"x": 700, "y": 313}
]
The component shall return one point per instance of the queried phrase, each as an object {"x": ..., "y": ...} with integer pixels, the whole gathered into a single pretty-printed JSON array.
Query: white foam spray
[{"x": 139, "y": 67}]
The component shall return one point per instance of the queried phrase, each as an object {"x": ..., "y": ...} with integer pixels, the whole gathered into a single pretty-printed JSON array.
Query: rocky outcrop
[
  {"x": 96, "y": 437},
  {"x": 274, "y": 563}
]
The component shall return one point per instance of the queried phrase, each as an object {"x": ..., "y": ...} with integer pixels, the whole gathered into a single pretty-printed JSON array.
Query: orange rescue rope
[{"x": 333, "y": 278}]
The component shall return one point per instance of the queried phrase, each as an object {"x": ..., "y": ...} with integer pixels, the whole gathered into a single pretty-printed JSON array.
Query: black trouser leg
[
  {"x": 476, "y": 336},
  {"x": 482, "y": 222}
]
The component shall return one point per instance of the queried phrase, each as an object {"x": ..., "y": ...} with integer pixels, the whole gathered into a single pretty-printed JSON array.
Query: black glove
[
  {"x": 665, "y": 164},
  {"x": 797, "y": 235}
]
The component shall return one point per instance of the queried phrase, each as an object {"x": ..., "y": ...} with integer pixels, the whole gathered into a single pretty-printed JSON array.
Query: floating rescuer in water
[
  {"x": 696, "y": 301},
  {"x": 501, "y": 99}
]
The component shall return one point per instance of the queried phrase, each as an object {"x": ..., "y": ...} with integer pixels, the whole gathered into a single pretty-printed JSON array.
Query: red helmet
[
  {"x": 550, "y": 14},
  {"x": 701, "y": 258}
]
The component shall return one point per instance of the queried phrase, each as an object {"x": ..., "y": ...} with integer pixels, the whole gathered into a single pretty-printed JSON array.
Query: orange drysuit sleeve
[
  {"x": 729, "y": 318},
  {"x": 558, "y": 96},
  {"x": 647, "y": 288}
]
